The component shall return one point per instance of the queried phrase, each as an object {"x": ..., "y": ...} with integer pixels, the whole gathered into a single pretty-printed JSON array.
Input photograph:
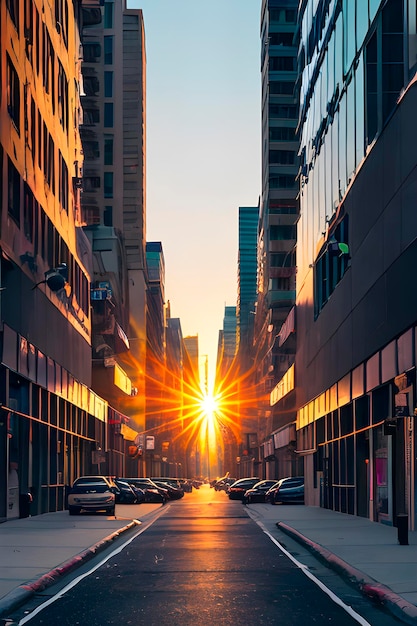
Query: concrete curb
[
  {"x": 23, "y": 593},
  {"x": 372, "y": 589}
]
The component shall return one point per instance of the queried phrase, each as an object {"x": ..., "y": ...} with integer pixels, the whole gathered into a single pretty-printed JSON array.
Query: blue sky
[{"x": 203, "y": 150}]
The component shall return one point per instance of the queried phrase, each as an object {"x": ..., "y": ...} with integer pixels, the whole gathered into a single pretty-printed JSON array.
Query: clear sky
[{"x": 203, "y": 150}]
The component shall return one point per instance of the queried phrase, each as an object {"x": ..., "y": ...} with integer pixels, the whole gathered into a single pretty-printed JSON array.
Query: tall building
[
  {"x": 356, "y": 308},
  {"x": 274, "y": 346},
  {"x": 113, "y": 200},
  {"x": 191, "y": 347},
  {"x": 155, "y": 384},
  {"x": 226, "y": 348},
  {"x": 52, "y": 423},
  {"x": 247, "y": 276},
  {"x": 175, "y": 446}
]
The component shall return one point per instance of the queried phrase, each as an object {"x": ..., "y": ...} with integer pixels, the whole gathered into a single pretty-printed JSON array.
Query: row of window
[
  {"x": 38, "y": 138},
  {"x": 39, "y": 230},
  {"x": 340, "y": 123}
]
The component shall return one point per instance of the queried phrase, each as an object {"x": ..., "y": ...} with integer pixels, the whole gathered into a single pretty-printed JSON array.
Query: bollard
[{"x": 402, "y": 528}]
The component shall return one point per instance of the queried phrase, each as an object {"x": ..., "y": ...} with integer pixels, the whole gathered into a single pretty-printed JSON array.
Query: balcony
[{"x": 280, "y": 297}]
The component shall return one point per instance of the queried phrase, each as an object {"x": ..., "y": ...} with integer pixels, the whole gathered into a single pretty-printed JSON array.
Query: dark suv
[{"x": 237, "y": 489}]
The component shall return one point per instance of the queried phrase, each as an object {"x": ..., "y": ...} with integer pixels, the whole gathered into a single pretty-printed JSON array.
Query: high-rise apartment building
[
  {"x": 247, "y": 277},
  {"x": 113, "y": 199},
  {"x": 273, "y": 346},
  {"x": 51, "y": 420},
  {"x": 356, "y": 250}
]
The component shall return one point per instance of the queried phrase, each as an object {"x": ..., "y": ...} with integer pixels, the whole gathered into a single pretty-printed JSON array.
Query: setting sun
[{"x": 209, "y": 404}]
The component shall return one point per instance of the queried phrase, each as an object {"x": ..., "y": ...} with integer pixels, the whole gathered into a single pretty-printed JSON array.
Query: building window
[
  {"x": 281, "y": 233},
  {"x": 29, "y": 212},
  {"x": 13, "y": 192},
  {"x": 108, "y": 215},
  {"x": 61, "y": 19},
  {"x": 283, "y": 64},
  {"x": 108, "y": 14},
  {"x": 282, "y": 182},
  {"x": 108, "y": 150},
  {"x": 284, "y": 16},
  {"x": 108, "y": 184},
  {"x": 282, "y": 133},
  {"x": 281, "y": 157},
  {"x": 63, "y": 98},
  {"x": 279, "y": 284},
  {"x": 108, "y": 50},
  {"x": 285, "y": 111},
  {"x": 281, "y": 39},
  {"x": 63, "y": 183},
  {"x": 282, "y": 87},
  {"x": 29, "y": 30},
  {"x": 331, "y": 265},
  {"x": 48, "y": 61},
  {"x": 13, "y": 94},
  {"x": 13, "y": 7},
  {"x": 108, "y": 84},
  {"x": 108, "y": 114},
  {"x": 384, "y": 68},
  {"x": 48, "y": 158}
]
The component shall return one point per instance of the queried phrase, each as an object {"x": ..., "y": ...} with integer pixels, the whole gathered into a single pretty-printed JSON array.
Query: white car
[{"x": 92, "y": 493}]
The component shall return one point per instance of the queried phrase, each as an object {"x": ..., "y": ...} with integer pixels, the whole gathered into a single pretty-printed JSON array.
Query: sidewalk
[
  {"x": 35, "y": 552},
  {"x": 365, "y": 553}
]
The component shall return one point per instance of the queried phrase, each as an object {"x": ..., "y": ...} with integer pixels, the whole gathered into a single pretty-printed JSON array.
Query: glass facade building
[
  {"x": 247, "y": 272},
  {"x": 356, "y": 309}
]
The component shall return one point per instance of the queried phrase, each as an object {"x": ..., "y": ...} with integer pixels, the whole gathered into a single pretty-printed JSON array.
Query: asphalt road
[{"x": 203, "y": 560}]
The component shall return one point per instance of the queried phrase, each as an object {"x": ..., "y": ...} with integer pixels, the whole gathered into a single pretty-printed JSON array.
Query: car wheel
[{"x": 74, "y": 510}]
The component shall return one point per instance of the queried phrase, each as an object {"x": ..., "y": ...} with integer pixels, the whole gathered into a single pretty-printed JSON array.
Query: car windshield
[{"x": 90, "y": 481}]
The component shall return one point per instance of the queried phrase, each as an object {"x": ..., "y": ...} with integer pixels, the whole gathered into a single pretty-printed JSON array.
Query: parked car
[
  {"x": 140, "y": 493},
  {"x": 239, "y": 487},
  {"x": 258, "y": 491},
  {"x": 126, "y": 493},
  {"x": 186, "y": 484},
  {"x": 174, "y": 482},
  {"x": 153, "y": 493},
  {"x": 174, "y": 493},
  {"x": 223, "y": 484},
  {"x": 92, "y": 493},
  {"x": 289, "y": 489}
]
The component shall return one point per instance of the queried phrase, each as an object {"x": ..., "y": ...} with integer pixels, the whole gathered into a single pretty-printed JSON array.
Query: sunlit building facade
[
  {"x": 356, "y": 308},
  {"x": 113, "y": 200},
  {"x": 52, "y": 422}
]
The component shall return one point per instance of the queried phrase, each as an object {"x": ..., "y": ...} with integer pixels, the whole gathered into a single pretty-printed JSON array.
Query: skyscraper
[
  {"x": 113, "y": 200},
  {"x": 356, "y": 306},
  {"x": 274, "y": 349},
  {"x": 247, "y": 276}
]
